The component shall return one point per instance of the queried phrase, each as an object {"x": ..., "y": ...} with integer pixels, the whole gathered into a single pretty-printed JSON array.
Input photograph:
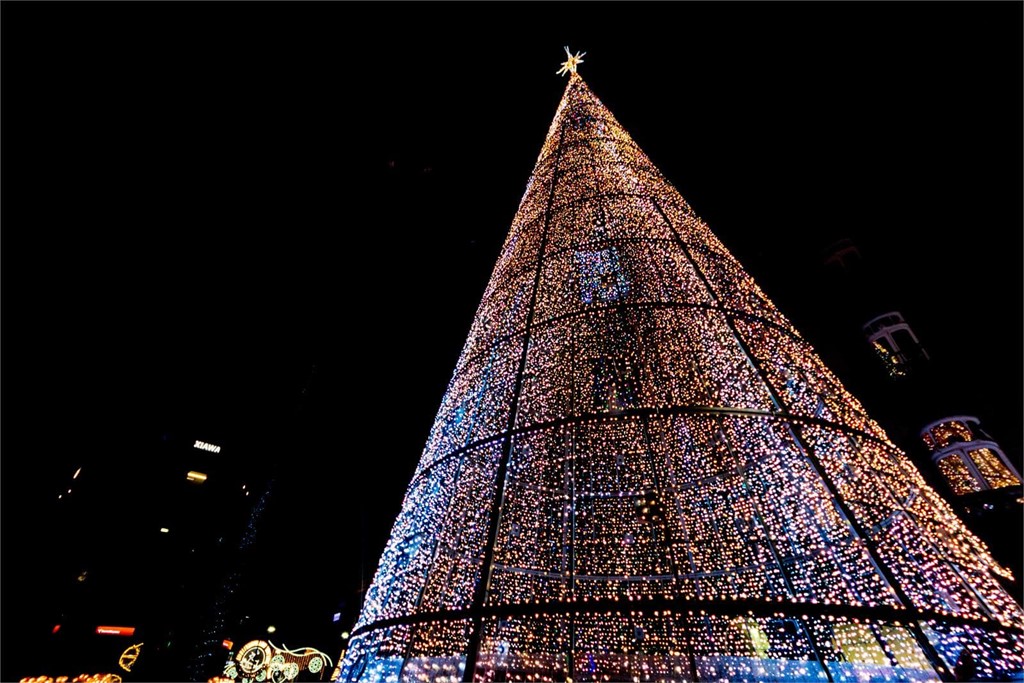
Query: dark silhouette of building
[
  {"x": 165, "y": 541},
  {"x": 147, "y": 536}
]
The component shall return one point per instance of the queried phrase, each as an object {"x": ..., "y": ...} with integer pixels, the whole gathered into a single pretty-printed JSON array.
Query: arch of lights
[{"x": 641, "y": 471}]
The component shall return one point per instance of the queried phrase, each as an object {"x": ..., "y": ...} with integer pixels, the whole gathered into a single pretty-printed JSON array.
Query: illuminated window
[
  {"x": 894, "y": 341},
  {"x": 967, "y": 457},
  {"x": 996, "y": 473},
  {"x": 953, "y": 431},
  {"x": 960, "y": 478}
]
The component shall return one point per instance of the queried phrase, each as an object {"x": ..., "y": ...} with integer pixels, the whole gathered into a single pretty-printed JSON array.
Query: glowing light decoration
[
  {"x": 641, "y": 471},
  {"x": 572, "y": 61},
  {"x": 80, "y": 678},
  {"x": 261, "y": 660},
  {"x": 131, "y": 655}
]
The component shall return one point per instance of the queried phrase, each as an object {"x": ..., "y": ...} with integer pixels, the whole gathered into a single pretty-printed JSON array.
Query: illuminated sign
[
  {"x": 203, "y": 446},
  {"x": 115, "y": 630},
  {"x": 197, "y": 477},
  {"x": 226, "y": 644}
]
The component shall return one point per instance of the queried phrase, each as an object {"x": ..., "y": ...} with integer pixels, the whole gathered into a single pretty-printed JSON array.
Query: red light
[
  {"x": 115, "y": 630},
  {"x": 55, "y": 628},
  {"x": 226, "y": 644}
]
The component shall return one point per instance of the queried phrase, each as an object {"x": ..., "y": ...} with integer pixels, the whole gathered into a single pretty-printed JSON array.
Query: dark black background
[{"x": 207, "y": 204}]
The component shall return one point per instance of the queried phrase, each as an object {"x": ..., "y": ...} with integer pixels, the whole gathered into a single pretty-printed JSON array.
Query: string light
[
  {"x": 80, "y": 678},
  {"x": 683, "y": 489},
  {"x": 207, "y": 648}
]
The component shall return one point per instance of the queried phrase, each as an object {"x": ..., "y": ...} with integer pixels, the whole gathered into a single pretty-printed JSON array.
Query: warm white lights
[
  {"x": 261, "y": 660},
  {"x": 683, "y": 489},
  {"x": 572, "y": 61}
]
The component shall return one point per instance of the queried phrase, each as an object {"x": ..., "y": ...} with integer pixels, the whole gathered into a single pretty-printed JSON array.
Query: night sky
[{"x": 209, "y": 206}]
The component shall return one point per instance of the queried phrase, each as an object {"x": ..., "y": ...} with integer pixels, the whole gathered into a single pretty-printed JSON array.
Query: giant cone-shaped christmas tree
[{"x": 641, "y": 471}]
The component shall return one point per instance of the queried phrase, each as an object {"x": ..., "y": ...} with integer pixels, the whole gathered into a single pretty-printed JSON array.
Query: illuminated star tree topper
[{"x": 571, "y": 63}]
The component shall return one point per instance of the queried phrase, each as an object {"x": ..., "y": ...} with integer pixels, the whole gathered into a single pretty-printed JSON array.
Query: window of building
[
  {"x": 895, "y": 343},
  {"x": 995, "y": 472},
  {"x": 961, "y": 480}
]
